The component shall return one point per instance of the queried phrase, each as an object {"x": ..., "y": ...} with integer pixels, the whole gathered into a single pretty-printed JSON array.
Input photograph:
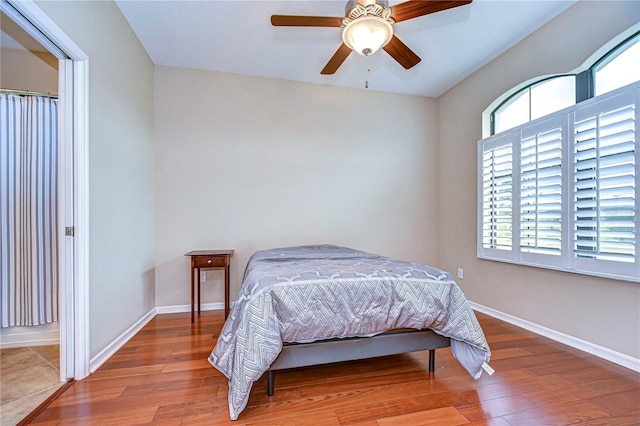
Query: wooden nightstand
[{"x": 209, "y": 259}]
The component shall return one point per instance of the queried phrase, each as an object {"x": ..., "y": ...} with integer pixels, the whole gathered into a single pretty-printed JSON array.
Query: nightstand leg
[
  {"x": 226, "y": 288},
  {"x": 192, "y": 288},
  {"x": 198, "y": 278}
]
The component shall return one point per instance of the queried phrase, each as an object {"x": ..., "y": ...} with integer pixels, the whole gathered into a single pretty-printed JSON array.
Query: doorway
[
  {"x": 72, "y": 183},
  {"x": 28, "y": 76}
]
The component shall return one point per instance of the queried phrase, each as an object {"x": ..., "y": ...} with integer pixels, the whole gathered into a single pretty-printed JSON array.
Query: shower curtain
[{"x": 28, "y": 210}]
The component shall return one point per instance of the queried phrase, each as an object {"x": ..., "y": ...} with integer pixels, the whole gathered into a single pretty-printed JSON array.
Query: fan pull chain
[{"x": 366, "y": 83}]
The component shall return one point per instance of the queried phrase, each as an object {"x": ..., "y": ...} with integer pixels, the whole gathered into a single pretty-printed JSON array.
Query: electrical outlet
[
  {"x": 203, "y": 276},
  {"x": 461, "y": 273}
]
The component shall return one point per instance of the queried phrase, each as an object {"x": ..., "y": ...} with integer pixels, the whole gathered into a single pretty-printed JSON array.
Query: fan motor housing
[{"x": 352, "y": 3}]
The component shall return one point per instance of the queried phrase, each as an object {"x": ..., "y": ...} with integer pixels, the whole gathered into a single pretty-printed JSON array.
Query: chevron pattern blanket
[{"x": 309, "y": 293}]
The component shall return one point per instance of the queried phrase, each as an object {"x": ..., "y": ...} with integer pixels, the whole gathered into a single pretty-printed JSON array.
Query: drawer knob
[{"x": 209, "y": 261}]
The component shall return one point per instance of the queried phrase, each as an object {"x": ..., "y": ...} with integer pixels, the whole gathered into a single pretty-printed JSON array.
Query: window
[
  {"x": 619, "y": 67},
  {"x": 535, "y": 101},
  {"x": 561, "y": 191},
  {"x": 558, "y": 179}
]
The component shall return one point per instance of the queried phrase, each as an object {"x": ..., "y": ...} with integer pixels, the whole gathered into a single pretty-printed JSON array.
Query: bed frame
[{"x": 393, "y": 342}]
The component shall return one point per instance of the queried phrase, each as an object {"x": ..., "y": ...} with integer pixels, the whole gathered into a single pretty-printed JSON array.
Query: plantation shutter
[
  {"x": 541, "y": 188},
  {"x": 604, "y": 166},
  {"x": 497, "y": 195}
]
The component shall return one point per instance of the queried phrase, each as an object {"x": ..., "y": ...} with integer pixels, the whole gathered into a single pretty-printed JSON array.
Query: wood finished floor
[{"x": 162, "y": 377}]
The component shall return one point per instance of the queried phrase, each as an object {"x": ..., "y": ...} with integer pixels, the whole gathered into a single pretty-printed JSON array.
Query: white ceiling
[{"x": 236, "y": 36}]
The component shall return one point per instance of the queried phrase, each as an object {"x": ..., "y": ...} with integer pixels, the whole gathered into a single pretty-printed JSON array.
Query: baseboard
[
  {"x": 20, "y": 337},
  {"x": 174, "y": 309},
  {"x": 112, "y": 348},
  {"x": 591, "y": 348}
]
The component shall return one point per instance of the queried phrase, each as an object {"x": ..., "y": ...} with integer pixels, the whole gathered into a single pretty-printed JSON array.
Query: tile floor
[{"x": 28, "y": 376}]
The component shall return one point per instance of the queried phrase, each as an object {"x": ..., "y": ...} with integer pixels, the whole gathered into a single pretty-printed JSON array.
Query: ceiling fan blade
[
  {"x": 415, "y": 8},
  {"x": 336, "y": 60},
  {"x": 401, "y": 53},
  {"x": 305, "y": 21}
]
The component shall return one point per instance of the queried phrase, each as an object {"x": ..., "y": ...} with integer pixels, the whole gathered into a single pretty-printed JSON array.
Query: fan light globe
[{"x": 367, "y": 34}]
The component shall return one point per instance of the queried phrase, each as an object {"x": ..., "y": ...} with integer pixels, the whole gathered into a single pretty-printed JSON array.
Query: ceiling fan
[{"x": 368, "y": 26}]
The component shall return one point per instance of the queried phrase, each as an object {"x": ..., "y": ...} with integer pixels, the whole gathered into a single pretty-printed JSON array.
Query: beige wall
[
  {"x": 601, "y": 311},
  {"x": 24, "y": 70},
  {"x": 24, "y": 63},
  {"x": 249, "y": 163},
  {"x": 121, "y": 170}
]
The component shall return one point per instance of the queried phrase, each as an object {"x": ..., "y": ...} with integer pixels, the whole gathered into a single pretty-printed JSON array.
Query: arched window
[{"x": 619, "y": 67}]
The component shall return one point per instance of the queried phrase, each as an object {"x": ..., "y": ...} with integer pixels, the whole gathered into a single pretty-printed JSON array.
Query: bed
[{"x": 314, "y": 304}]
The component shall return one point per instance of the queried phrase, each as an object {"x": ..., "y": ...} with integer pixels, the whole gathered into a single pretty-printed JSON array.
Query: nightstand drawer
[{"x": 208, "y": 262}]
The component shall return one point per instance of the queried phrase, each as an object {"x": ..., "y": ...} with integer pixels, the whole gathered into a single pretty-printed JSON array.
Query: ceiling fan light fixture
[
  {"x": 367, "y": 34},
  {"x": 367, "y": 26}
]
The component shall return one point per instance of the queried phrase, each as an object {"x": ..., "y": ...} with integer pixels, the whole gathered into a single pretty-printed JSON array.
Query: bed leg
[
  {"x": 270, "y": 383},
  {"x": 432, "y": 360}
]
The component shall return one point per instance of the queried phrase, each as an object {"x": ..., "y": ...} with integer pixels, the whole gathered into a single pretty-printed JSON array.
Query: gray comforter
[{"x": 308, "y": 293}]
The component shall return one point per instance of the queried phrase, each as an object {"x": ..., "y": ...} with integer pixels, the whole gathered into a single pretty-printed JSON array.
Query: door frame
[{"x": 73, "y": 183}]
